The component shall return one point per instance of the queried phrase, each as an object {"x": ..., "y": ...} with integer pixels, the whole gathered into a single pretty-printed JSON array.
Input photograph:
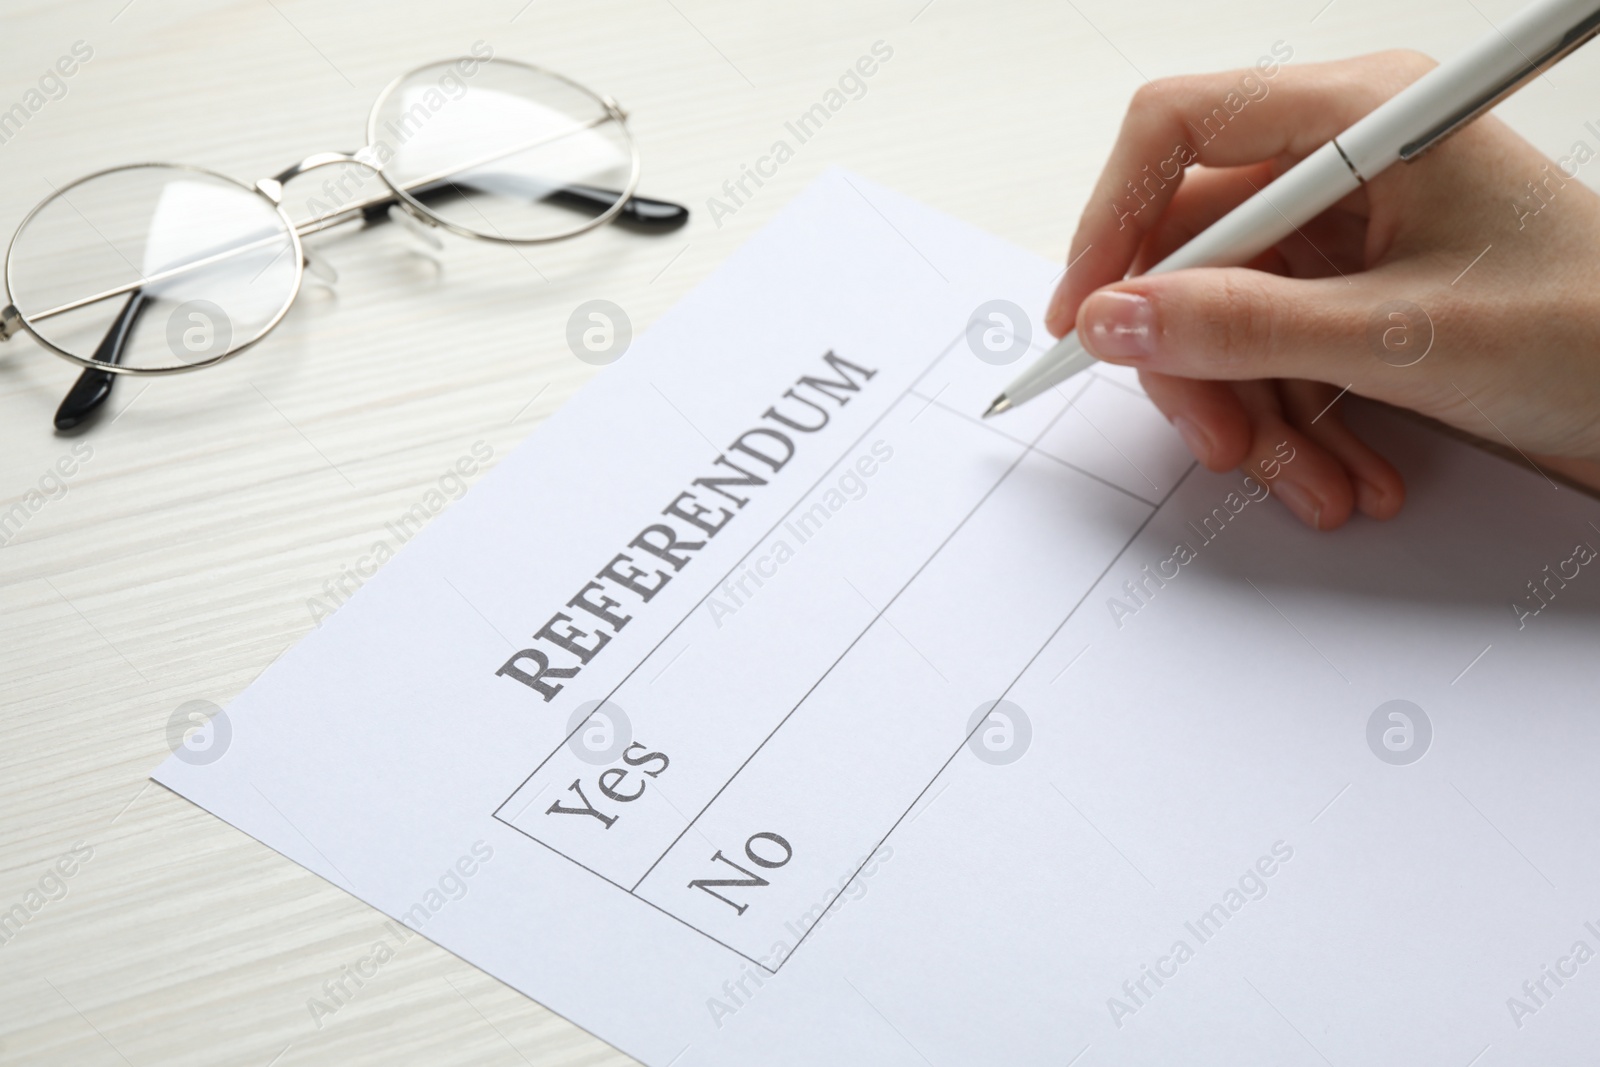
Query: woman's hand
[{"x": 1449, "y": 285}]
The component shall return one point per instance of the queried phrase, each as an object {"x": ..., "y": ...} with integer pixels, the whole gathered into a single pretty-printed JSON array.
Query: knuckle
[
  {"x": 1156, "y": 96},
  {"x": 1239, "y": 322}
]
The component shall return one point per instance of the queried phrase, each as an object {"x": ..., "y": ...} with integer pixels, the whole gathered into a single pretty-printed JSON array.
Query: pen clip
[{"x": 1572, "y": 40}]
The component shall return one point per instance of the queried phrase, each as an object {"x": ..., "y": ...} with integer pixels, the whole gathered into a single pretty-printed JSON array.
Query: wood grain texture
[{"x": 185, "y": 554}]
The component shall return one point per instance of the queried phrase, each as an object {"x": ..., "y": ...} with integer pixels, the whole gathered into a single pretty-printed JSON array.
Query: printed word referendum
[{"x": 564, "y": 648}]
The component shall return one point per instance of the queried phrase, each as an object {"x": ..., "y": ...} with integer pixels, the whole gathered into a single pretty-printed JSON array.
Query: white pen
[{"x": 1418, "y": 117}]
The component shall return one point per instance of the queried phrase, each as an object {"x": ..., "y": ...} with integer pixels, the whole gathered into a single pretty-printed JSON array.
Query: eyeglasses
[{"x": 482, "y": 147}]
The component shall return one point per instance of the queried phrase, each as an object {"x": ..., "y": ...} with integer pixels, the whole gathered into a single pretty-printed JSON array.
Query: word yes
[{"x": 611, "y": 785}]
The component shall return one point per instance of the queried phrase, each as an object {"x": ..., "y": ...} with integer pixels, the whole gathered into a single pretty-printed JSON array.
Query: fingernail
[
  {"x": 1120, "y": 325},
  {"x": 1194, "y": 438},
  {"x": 1305, "y": 506}
]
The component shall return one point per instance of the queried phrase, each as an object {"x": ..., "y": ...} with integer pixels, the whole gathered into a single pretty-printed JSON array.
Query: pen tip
[{"x": 1001, "y": 403}]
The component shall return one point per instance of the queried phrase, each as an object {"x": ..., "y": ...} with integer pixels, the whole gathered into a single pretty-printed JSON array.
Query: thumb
[{"x": 1235, "y": 324}]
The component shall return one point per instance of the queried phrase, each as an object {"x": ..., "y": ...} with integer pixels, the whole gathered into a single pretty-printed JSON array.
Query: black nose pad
[{"x": 93, "y": 387}]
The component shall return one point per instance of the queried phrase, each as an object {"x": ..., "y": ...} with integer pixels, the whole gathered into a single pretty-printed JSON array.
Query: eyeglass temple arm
[
  {"x": 639, "y": 213},
  {"x": 93, "y": 387}
]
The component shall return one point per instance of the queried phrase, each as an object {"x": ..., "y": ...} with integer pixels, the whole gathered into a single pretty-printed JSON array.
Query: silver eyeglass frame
[{"x": 13, "y": 321}]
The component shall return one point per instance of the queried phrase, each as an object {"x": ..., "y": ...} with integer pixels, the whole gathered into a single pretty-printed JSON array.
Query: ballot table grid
[{"x": 1025, "y": 448}]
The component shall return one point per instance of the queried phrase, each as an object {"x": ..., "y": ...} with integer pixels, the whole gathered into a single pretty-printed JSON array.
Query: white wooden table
[{"x": 185, "y": 554}]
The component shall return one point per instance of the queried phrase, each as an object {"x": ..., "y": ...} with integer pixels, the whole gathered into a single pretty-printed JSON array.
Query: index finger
[{"x": 1228, "y": 119}]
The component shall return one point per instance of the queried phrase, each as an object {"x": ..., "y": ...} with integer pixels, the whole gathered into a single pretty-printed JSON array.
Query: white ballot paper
[{"x": 768, "y": 707}]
